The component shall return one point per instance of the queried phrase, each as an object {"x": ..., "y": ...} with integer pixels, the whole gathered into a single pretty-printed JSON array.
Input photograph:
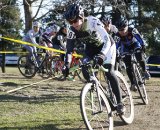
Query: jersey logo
[
  {"x": 70, "y": 34},
  {"x": 116, "y": 39}
]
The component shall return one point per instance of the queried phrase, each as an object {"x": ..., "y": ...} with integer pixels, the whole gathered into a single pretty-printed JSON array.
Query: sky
[{"x": 41, "y": 12}]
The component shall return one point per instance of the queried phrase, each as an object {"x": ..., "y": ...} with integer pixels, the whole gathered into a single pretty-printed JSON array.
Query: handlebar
[
  {"x": 89, "y": 64},
  {"x": 131, "y": 52},
  {"x": 103, "y": 69}
]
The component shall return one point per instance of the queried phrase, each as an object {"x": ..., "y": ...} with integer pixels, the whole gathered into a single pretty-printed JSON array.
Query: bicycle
[
  {"x": 98, "y": 103},
  {"x": 54, "y": 67},
  {"x": 120, "y": 65},
  {"x": 28, "y": 67},
  {"x": 138, "y": 77}
]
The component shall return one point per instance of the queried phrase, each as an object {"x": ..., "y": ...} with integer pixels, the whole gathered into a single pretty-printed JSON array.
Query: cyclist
[
  {"x": 48, "y": 35},
  {"x": 60, "y": 38},
  {"x": 112, "y": 30},
  {"x": 59, "y": 41},
  {"x": 90, "y": 31},
  {"x": 128, "y": 38},
  {"x": 31, "y": 38}
]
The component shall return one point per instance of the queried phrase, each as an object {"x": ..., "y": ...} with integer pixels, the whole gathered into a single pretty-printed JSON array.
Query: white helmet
[{"x": 36, "y": 24}]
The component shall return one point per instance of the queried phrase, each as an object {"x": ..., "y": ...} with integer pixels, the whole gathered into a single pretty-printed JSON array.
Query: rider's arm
[
  {"x": 137, "y": 35},
  {"x": 69, "y": 46},
  {"x": 46, "y": 38},
  {"x": 32, "y": 36},
  {"x": 99, "y": 27},
  {"x": 117, "y": 41}
]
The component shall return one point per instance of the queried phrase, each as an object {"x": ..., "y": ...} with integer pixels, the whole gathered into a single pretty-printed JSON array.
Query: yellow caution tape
[
  {"x": 38, "y": 46},
  {"x": 153, "y": 64},
  {"x": 12, "y": 52}
]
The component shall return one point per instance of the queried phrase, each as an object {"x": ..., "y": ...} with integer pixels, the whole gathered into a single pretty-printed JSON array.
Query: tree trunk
[{"x": 28, "y": 14}]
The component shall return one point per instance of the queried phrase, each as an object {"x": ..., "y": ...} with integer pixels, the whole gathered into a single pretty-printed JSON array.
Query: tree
[{"x": 9, "y": 18}]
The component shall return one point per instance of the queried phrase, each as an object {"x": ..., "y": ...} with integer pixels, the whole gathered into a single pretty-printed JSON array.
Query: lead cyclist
[{"x": 91, "y": 32}]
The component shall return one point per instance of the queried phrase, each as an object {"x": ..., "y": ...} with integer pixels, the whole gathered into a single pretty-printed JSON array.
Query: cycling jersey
[
  {"x": 46, "y": 37},
  {"x": 31, "y": 36},
  {"x": 127, "y": 41},
  {"x": 55, "y": 39},
  {"x": 92, "y": 34}
]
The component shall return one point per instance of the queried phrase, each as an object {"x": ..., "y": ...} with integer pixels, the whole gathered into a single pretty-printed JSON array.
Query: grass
[
  {"x": 46, "y": 106},
  {"x": 50, "y": 105}
]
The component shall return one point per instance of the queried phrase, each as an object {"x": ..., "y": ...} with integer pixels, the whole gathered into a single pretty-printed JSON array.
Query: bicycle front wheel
[
  {"x": 28, "y": 70},
  {"x": 95, "y": 110},
  {"x": 140, "y": 86},
  {"x": 127, "y": 99}
]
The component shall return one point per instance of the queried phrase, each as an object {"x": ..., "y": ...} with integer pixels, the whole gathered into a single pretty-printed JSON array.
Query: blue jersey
[{"x": 131, "y": 38}]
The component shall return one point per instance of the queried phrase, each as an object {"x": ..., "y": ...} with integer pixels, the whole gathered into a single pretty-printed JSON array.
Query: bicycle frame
[{"x": 96, "y": 83}]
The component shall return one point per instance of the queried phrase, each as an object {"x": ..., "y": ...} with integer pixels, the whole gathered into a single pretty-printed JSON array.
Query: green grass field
[{"x": 51, "y": 105}]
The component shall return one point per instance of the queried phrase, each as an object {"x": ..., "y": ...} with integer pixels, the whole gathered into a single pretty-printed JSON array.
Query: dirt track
[{"x": 146, "y": 116}]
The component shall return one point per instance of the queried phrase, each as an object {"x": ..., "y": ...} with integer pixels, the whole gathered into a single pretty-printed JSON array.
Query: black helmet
[
  {"x": 122, "y": 23},
  {"x": 106, "y": 20},
  {"x": 73, "y": 12}
]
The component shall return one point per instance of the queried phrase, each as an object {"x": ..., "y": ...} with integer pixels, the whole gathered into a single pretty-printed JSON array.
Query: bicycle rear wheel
[
  {"x": 96, "y": 111},
  {"x": 140, "y": 86},
  {"x": 127, "y": 99},
  {"x": 28, "y": 70},
  {"x": 76, "y": 71},
  {"x": 54, "y": 66}
]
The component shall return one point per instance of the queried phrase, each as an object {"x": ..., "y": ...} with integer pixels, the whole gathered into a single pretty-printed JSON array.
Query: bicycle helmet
[
  {"x": 54, "y": 28},
  {"x": 35, "y": 24},
  {"x": 73, "y": 12},
  {"x": 106, "y": 20},
  {"x": 122, "y": 23}
]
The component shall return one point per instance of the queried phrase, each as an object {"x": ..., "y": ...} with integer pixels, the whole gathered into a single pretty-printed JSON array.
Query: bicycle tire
[
  {"x": 98, "y": 122},
  {"x": 44, "y": 59},
  {"x": 54, "y": 67},
  {"x": 127, "y": 99},
  {"x": 78, "y": 71},
  {"x": 140, "y": 85},
  {"x": 23, "y": 67}
]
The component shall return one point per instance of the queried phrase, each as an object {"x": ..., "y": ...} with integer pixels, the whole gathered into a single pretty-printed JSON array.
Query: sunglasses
[
  {"x": 73, "y": 21},
  {"x": 122, "y": 29}
]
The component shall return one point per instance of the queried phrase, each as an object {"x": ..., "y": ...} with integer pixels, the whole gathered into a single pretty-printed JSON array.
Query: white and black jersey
[{"x": 92, "y": 34}]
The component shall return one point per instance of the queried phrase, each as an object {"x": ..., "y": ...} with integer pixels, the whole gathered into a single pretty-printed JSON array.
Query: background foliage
[{"x": 140, "y": 13}]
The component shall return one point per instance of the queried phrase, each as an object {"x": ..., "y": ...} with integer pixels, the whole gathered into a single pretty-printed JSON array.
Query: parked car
[
  {"x": 153, "y": 64},
  {"x": 10, "y": 59}
]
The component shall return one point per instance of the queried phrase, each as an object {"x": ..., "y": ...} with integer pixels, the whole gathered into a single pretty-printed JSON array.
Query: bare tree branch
[{"x": 38, "y": 9}]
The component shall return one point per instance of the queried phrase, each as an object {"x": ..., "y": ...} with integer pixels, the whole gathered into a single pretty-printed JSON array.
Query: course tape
[
  {"x": 38, "y": 46},
  {"x": 12, "y": 52},
  {"x": 153, "y": 64}
]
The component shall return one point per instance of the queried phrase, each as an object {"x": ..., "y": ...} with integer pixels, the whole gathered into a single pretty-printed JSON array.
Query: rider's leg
[
  {"x": 84, "y": 71},
  {"x": 141, "y": 59},
  {"x": 111, "y": 76},
  {"x": 127, "y": 61}
]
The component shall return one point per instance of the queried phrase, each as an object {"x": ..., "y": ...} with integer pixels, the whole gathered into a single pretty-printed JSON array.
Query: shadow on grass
[
  {"x": 119, "y": 123},
  {"x": 41, "y": 127},
  {"x": 9, "y": 84},
  {"x": 37, "y": 100}
]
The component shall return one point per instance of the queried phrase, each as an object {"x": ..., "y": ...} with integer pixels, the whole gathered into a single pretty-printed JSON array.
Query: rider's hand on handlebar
[{"x": 98, "y": 60}]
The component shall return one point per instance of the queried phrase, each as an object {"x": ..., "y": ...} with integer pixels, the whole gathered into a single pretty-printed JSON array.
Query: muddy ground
[{"x": 147, "y": 117}]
